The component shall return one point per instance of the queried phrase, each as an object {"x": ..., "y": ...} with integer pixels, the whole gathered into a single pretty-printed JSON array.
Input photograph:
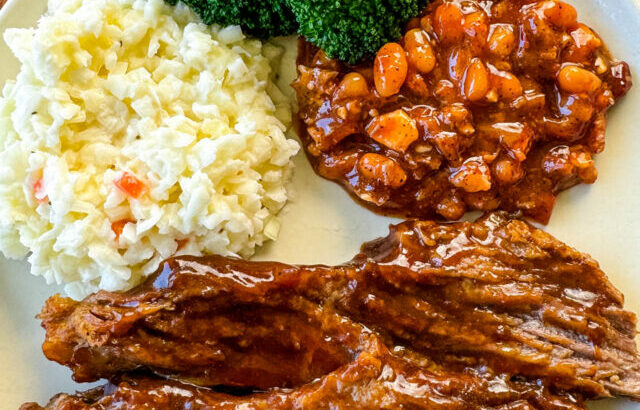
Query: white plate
[{"x": 323, "y": 225}]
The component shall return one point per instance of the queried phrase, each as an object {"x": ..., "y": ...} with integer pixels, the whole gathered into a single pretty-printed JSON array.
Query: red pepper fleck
[
  {"x": 38, "y": 191},
  {"x": 130, "y": 185},
  {"x": 118, "y": 226}
]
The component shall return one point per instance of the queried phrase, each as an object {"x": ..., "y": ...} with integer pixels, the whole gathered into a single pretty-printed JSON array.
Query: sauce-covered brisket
[{"x": 490, "y": 314}]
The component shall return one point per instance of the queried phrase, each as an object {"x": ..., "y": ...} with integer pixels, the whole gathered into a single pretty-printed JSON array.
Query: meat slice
[
  {"x": 376, "y": 379},
  {"x": 477, "y": 314}
]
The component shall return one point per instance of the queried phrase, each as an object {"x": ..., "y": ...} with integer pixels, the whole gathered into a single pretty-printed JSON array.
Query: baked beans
[{"x": 480, "y": 105}]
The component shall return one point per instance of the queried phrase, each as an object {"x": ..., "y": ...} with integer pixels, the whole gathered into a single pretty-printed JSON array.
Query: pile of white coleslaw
[{"x": 133, "y": 133}]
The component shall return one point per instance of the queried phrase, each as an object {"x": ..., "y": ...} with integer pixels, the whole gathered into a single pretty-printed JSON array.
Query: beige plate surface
[{"x": 323, "y": 225}]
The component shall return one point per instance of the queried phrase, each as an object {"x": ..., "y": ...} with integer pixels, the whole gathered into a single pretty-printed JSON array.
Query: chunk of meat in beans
[
  {"x": 473, "y": 176},
  {"x": 380, "y": 168},
  {"x": 396, "y": 130},
  {"x": 479, "y": 105}
]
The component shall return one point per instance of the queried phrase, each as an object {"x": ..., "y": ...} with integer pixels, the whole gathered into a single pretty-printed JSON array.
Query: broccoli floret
[
  {"x": 352, "y": 30},
  {"x": 263, "y": 19}
]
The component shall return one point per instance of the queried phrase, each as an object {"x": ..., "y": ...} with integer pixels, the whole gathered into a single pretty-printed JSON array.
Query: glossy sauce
[
  {"x": 471, "y": 314},
  {"x": 507, "y": 99}
]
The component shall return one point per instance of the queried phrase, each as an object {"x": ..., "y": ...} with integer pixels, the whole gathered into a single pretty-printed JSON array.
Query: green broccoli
[
  {"x": 352, "y": 30},
  {"x": 263, "y": 19}
]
